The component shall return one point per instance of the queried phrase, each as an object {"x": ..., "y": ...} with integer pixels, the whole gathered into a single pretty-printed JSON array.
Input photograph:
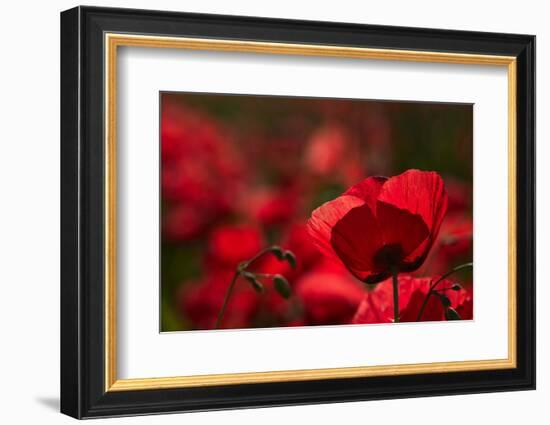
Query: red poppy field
[{"x": 287, "y": 211}]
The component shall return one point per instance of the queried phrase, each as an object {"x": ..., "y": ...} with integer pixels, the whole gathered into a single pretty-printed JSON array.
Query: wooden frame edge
[{"x": 114, "y": 40}]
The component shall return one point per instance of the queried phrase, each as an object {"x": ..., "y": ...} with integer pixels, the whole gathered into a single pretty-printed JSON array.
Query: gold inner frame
[{"x": 113, "y": 41}]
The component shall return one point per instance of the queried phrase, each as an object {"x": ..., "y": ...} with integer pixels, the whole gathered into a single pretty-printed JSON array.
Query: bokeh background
[{"x": 239, "y": 173}]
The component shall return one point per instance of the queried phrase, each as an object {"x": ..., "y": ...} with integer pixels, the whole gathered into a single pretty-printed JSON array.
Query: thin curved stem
[
  {"x": 395, "y": 283},
  {"x": 264, "y": 275},
  {"x": 434, "y": 285},
  {"x": 226, "y": 299},
  {"x": 248, "y": 263},
  {"x": 242, "y": 269}
]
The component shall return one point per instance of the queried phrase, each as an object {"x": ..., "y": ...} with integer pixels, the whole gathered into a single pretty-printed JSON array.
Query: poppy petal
[
  {"x": 401, "y": 228},
  {"x": 421, "y": 193},
  {"x": 356, "y": 238},
  {"x": 368, "y": 190},
  {"x": 324, "y": 218}
]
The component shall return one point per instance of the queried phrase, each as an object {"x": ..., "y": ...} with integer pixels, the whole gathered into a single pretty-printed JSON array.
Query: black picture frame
[{"x": 83, "y": 392}]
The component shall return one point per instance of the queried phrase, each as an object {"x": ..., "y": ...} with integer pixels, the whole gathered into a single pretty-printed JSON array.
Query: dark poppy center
[{"x": 388, "y": 256}]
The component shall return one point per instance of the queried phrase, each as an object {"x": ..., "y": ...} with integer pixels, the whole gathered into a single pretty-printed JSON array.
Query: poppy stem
[
  {"x": 395, "y": 283},
  {"x": 226, "y": 299},
  {"x": 242, "y": 270},
  {"x": 256, "y": 257},
  {"x": 264, "y": 275},
  {"x": 434, "y": 285}
]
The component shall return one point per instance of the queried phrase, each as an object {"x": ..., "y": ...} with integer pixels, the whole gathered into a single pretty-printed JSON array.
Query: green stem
[
  {"x": 247, "y": 264},
  {"x": 434, "y": 285},
  {"x": 395, "y": 283},
  {"x": 242, "y": 268},
  {"x": 226, "y": 299},
  {"x": 264, "y": 275}
]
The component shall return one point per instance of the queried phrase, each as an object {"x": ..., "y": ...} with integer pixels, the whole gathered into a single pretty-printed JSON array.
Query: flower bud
[{"x": 282, "y": 286}]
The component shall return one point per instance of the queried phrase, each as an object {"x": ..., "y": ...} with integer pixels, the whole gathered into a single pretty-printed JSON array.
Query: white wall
[{"x": 29, "y": 224}]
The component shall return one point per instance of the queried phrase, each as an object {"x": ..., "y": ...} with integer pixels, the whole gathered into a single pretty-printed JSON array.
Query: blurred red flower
[
  {"x": 182, "y": 222},
  {"x": 326, "y": 149},
  {"x": 200, "y": 302},
  {"x": 377, "y": 304},
  {"x": 331, "y": 153},
  {"x": 300, "y": 243},
  {"x": 329, "y": 298},
  {"x": 456, "y": 236},
  {"x": 228, "y": 245},
  {"x": 460, "y": 195},
  {"x": 454, "y": 245},
  {"x": 382, "y": 223},
  {"x": 197, "y": 159},
  {"x": 270, "y": 206},
  {"x": 465, "y": 304}
]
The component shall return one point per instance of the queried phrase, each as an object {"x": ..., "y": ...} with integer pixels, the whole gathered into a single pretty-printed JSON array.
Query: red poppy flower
[
  {"x": 380, "y": 224},
  {"x": 465, "y": 307},
  {"x": 377, "y": 304}
]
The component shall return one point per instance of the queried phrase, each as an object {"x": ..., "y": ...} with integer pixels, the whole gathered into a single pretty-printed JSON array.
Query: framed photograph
[{"x": 260, "y": 212}]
